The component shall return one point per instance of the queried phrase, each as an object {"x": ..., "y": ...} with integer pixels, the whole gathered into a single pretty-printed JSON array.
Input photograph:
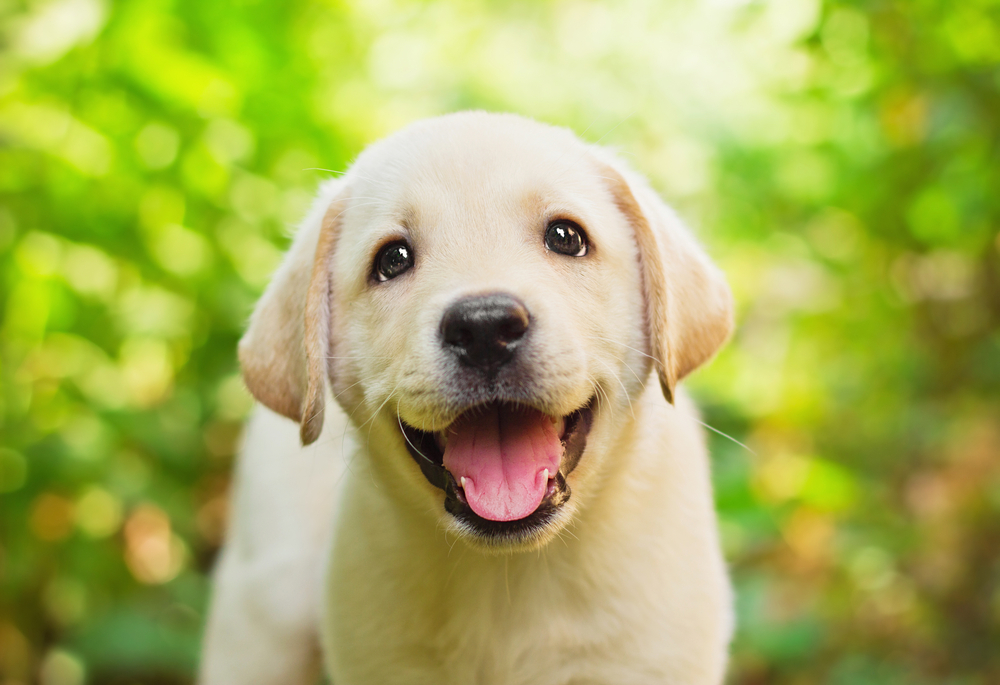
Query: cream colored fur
[{"x": 341, "y": 556}]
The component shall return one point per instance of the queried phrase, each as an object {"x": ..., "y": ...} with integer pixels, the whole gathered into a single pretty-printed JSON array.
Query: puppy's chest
[{"x": 490, "y": 624}]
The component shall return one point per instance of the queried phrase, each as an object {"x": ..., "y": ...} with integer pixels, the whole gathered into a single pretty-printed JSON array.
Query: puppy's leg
[
  {"x": 264, "y": 617},
  {"x": 259, "y": 632}
]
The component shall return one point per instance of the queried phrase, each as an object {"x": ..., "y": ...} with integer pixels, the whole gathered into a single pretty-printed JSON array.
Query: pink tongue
[{"x": 502, "y": 453}]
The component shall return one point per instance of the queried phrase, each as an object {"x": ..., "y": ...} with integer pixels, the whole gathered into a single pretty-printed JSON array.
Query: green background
[{"x": 840, "y": 161}]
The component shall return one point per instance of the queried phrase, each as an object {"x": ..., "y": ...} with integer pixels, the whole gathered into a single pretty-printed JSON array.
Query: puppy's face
[
  {"x": 481, "y": 300},
  {"x": 488, "y": 305}
]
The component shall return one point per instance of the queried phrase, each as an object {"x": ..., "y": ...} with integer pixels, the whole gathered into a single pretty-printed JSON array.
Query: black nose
[{"x": 484, "y": 331}]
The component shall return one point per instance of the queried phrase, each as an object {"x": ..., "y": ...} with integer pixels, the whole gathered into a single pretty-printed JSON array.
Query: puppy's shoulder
[{"x": 285, "y": 493}]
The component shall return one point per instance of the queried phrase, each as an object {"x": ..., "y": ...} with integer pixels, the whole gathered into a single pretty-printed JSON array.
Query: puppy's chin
[{"x": 523, "y": 538}]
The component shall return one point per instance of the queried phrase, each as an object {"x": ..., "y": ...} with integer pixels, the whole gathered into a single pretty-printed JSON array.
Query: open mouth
[{"x": 502, "y": 465}]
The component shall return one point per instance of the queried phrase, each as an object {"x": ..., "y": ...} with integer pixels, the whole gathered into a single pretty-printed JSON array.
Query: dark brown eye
[
  {"x": 565, "y": 237},
  {"x": 392, "y": 260}
]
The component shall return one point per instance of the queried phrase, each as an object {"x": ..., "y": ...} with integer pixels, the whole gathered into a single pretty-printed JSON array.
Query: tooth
[
  {"x": 463, "y": 482},
  {"x": 546, "y": 472}
]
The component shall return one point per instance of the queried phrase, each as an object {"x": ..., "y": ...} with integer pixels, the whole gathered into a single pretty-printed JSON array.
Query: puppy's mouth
[{"x": 502, "y": 465}]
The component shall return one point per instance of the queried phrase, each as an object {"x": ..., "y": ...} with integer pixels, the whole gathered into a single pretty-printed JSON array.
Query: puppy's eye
[
  {"x": 392, "y": 260},
  {"x": 565, "y": 237}
]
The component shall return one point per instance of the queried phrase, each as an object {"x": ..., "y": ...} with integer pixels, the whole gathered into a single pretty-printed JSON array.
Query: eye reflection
[
  {"x": 393, "y": 260},
  {"x": 566, "y": 237}
]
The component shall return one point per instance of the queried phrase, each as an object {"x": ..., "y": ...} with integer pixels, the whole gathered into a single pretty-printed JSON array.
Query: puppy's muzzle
[{"x": 484, "y": 331}]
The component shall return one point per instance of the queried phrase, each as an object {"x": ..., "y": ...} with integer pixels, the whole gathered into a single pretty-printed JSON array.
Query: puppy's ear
[
  {"x": 285, "y": 352},
  {"x": 689, "y": 308}
]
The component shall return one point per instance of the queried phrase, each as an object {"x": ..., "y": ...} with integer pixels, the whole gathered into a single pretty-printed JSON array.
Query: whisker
[
  {"x": 593, "y": 121},
  {"x": 617, "y": 342},
  {"x": 375, "y": 413},
  {"x": 352, "y": 205},
  {"x": 599, "y": 390},
  {"x": 642, "y": 384},
  {"x": 725, "y": 435},
  {"x": 371, "y": 421},
  {"x": 362, "y": 204},
  {"x": 347, "y": 427},
  {"x": 456, "y": 564},
  {"x": 570, "y": 533},
  {"x": 399, "y": 420},
  {"x": 615, "y": 376},
  {"x": 346, "y": 389},
  {"x": 616, "y": 126},
  {"x": 506, "y": 576},
  {"x": 319, "y": 410},
  {"x": 339, "y": 173},
  {"x": 343, "y": 441}
]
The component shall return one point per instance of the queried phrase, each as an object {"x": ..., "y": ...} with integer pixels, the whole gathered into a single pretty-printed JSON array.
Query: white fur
[{"x": 628, "y": 586}]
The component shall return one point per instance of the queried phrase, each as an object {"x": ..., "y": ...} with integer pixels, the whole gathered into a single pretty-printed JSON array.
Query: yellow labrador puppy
[{"x": 510, "y": 486}]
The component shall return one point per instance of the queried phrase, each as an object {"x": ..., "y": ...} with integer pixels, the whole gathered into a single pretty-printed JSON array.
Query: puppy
[{"x": 513, "y": 489}]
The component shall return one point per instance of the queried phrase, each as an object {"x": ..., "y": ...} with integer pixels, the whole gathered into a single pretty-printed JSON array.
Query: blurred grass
[{"x": 839, "y": 158}]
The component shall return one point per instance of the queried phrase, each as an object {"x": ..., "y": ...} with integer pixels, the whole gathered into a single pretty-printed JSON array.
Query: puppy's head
[{"x": 485, "y": 296}]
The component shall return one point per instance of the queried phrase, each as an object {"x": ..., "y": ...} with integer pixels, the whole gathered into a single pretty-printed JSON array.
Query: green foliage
[{"x": 840, "y": 159}]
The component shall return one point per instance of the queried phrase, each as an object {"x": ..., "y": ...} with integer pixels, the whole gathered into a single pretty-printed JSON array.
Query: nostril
[
  {"x": 457, "y": 334},
  {"x": 513, "y": 329}
]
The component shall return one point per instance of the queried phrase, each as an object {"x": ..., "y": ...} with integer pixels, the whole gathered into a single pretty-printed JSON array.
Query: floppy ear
[
  {"x": 285, "y": 352},
  {"x": 689, "y": 308}
]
